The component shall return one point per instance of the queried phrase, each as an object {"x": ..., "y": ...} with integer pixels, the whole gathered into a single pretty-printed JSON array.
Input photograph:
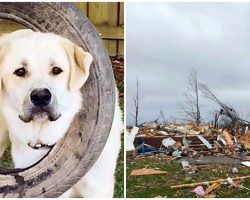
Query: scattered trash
[
  {"x": 196, "y": 149},
  {"x": 142, "y": 172},
  {"x": 176, "y": 154},
  {"x": 236, "y": 185},
  {"x": 235, "y": 170},
  {"x": 168, "y": 142},
  {"x": 246, "y": 163},
  {"x": 246, "y": 130},
  {"x": 208, "y": 145},
  {"x": 199, "y": 191},
  {"x": 185, "y": 164},
  {"x": 212, "y": 187},
  {"x": 207, "y": 182},
  {"x": 210, "y": 196},
  {"x": 185, "y": 142},
  {"x": 227, "y": 138},
  {"x": 130, "y": 137},
  {"x": 219, "y": 138},
  {"x": 230, "y": 181}
]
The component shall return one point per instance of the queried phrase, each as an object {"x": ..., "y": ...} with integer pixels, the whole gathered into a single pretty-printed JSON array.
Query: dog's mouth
[
  {"x": 40, "y": 146},
  {"x": 40, "y": 114}
]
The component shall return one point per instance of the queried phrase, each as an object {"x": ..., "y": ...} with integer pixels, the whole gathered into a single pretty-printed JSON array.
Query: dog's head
[{"x": 39, "y": 71}]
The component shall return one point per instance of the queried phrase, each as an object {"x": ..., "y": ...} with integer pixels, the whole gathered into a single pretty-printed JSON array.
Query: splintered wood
[
  {"x": 212, "y": 187},
  {"x": 142, "y": 172},
  {"x": 207, "y": 182}
]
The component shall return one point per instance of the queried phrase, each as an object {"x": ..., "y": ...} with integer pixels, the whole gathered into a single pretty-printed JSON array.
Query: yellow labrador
[{"x": 41, "y": 77}]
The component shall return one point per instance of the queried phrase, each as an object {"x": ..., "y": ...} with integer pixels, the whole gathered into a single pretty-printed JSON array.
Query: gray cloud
[{"x": 166, "y": 40}]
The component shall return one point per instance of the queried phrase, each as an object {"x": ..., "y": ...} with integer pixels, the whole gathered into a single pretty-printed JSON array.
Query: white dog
[{"x": 41, "y": 77}]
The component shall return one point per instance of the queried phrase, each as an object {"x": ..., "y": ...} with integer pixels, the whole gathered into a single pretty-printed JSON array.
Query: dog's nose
[{"x": 40, "y": 97}]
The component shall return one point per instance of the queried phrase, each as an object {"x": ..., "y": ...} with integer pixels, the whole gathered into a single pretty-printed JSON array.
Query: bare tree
[
  {"x": 161, "y": 116},
  {"x": 216, "y": 116},
  {"x": 226, "y": 110},
  {"x": 136, "y": 103},
  {"x": 190, "y": 106}
]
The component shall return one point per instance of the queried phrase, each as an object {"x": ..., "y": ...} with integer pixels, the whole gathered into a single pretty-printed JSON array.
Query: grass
[
  {"x": 150, "y": 186},
  {"x": 6, "y": 159},
  {"x": 119, "y": 174}
]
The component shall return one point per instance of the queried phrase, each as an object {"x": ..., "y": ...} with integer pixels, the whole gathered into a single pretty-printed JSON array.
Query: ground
[
  {"x": 150, "y": 186},
  {"x": 118, "y": 66}
]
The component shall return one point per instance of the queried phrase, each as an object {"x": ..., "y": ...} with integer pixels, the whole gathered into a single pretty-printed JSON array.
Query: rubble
[
  {"x": 199, "y": 190},
  {"x": 196, "y": 148},
  {"x": 208, "y": 182},
  {"x": 190, "y": 140},
  {"x": 246, "y": 163}
]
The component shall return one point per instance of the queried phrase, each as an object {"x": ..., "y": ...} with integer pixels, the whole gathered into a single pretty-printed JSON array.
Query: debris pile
[
  {"x": 194, "y": 148},
  {"x": 189, "y": 140}
]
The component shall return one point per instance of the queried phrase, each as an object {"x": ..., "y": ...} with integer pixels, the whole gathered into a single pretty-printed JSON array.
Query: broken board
[
  {"x": 142, "y": 172},
  {"x": 204, "y": 141}
]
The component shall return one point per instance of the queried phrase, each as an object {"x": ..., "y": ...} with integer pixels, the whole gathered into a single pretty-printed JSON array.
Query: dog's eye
[
  {"x": 56, "y": 70},
  {"x": 20, "y": 72}
]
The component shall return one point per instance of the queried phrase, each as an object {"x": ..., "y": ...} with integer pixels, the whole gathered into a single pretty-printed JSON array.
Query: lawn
[
  {"x": 119, "y": 174},
  {"x": 150, "y": 186}
]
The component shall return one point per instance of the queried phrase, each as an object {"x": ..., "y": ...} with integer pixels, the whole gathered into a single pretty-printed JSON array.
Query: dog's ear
[{"x": 80, "y": 62}]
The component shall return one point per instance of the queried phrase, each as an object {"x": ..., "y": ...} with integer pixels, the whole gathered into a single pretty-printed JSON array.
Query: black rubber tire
[{"x": 71, "y": 158}]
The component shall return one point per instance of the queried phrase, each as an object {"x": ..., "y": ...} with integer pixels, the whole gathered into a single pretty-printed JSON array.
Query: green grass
[
  {"x": 119, "y": 174},
  {"x": 6, "y": 160},
  {"x": 150, "y": 186}
]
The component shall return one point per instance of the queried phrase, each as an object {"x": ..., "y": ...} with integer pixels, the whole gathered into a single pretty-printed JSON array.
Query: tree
[
  {"x": 161, "y": 116},
  {"x": 226, "y": 110},
  {"x": 136, "y": 103},
  {"x": 190, "y": 107}
]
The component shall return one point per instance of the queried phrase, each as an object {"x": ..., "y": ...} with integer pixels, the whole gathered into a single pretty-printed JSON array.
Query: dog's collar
[{"x": 40, "y": 146}]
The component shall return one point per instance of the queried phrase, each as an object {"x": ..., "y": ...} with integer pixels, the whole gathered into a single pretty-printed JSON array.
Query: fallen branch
[{"x": 206, "y": 182}]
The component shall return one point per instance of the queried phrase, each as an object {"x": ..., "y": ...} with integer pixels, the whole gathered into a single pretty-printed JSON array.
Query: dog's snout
[{"x": 40, "y": 97}]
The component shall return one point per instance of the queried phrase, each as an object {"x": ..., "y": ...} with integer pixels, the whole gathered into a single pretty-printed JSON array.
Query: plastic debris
[
  {"x": 130, "y": 137},
  {"x": 246, "y": 163},
  {"x": 235, "y": 170},
  {"x": 168, "y": 142},
  {"x": 185, "y": 164},
  {"x": 200, "y": 191}
]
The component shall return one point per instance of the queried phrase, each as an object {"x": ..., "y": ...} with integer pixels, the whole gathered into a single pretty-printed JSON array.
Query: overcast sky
[{"x": 166, "y": 40}]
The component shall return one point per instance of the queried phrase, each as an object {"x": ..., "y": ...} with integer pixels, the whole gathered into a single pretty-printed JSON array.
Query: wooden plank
[
  {"x": 207, "y": 182},
  {"x": 143, "y": 172},
  {"x": 107, "y": 15},
  {"x": 121, "y": 48},
  {"x": 204, "y": 141},
  {"x": 121, "y": 14},
  {"x": 121, "y": 23},
  {"x": 111, "y": 46},
  {"x": 111, "y": 32},
  {"x": 7, "y": 26}
]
